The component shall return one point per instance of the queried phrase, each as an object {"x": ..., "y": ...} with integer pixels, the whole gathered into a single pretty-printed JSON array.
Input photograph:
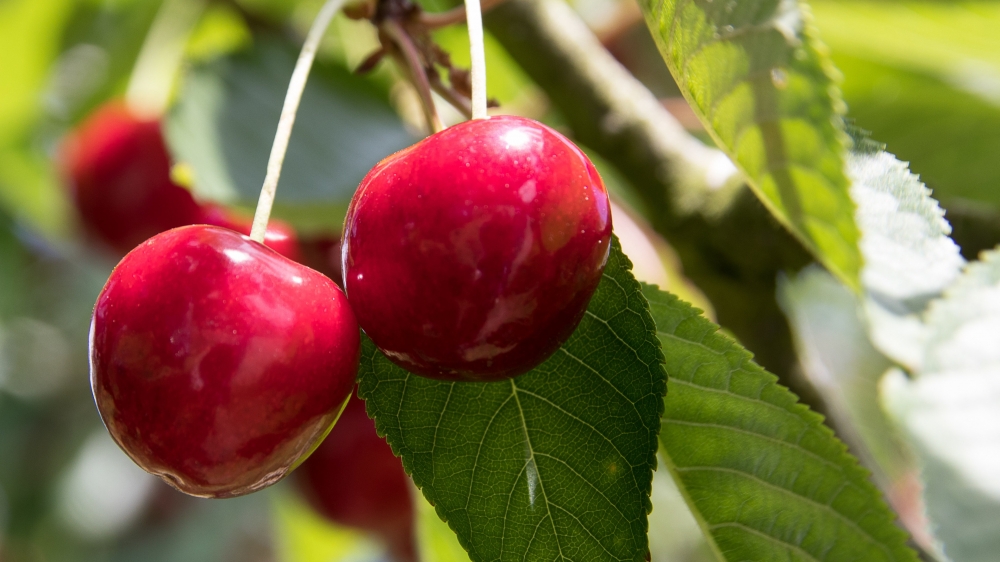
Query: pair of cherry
[{"x": 218, "y": 364}]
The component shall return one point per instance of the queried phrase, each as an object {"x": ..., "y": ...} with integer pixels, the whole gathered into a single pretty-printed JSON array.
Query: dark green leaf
[
  {"x": 754, "y": 74},
  {"x": 552, "y": 465},
  {"x": 224, "y": 124},
  {"x": 765, "y": 477}
]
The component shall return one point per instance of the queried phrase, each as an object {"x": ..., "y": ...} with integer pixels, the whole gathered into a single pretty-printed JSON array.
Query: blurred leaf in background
[
  {"x": 950, "y": 407},
  {"x": 30, "y": 40},
  {"x": 924, "y": 77},
  {"x": 224, "y": 122},
  {"x": 302, "y": 535}
]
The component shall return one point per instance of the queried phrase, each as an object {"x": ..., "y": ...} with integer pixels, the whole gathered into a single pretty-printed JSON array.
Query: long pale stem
[
  {"x": 474, "y": 17},
  {"x": 296, "y": 86}
]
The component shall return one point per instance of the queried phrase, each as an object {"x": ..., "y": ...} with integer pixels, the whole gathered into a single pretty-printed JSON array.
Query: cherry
[
  {"x": 279, "y": 236},
  {"x": 472, "y": 255},
  {"x": 354, "y": 479},
  {"x": 217, "y": 363},
  {"x": 118, "y": 170}
]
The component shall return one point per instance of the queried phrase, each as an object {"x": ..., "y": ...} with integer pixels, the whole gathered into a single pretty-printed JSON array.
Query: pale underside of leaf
[
  {"x": 755, "y": 75},
  {"x": 766, "y": 479},
  {"x": 909, "y": 257},
  {"x": 951, "y": 409},
  {"x": 553, "y": 465}
]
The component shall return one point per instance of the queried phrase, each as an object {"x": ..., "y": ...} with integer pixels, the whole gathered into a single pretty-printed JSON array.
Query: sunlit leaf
[
  {"x": 924, "y": 77},
  {"x": 30, "y": 35},
  {"x": 761, "y": 84},
  {"x": 766, "y": 479},
  {"x": 302, "y": 535},
  {"x": 555, "y": 464},
  {"x": 436, "y": 541}
]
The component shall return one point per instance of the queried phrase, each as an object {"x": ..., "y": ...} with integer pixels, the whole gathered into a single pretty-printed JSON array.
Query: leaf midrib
[{"x": 538, "y": 475}]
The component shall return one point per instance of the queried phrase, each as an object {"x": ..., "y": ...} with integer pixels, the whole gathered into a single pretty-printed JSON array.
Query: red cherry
[
  {"x": 119, "y": 171},
  {"x": 279, "y": 236},
  {"x": 473, "y": 254},
  {"x": 217, "y": 363},
  {"x": 354, "y": 479}
]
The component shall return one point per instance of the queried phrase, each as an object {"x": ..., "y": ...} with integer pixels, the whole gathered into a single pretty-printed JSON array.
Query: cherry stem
[
  {"x": 418, "y": 74},
  {"x": 474, "y": 18},
  {"x": 151, "y": 83},
  {"x": 296, "y": 86},
  {"x": 431, "y": 20}
]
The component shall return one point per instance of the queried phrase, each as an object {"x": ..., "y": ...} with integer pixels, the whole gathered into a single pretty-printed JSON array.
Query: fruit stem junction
[
  {"x": 474, "y": 18},
  {"x": 296, "y": 86}
]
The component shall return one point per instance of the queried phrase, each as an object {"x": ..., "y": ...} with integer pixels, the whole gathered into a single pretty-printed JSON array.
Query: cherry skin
[
  {"x": 354, "y": 479},
  {"x": 218, "y": 364},
  {"x": 118, "y": 170},
  {"x": 472, "y": 255},
  {"x": 279, "y": 236}
]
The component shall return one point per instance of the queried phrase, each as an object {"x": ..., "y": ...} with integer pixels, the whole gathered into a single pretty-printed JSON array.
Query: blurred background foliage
[{"x": 924, "y": 77}]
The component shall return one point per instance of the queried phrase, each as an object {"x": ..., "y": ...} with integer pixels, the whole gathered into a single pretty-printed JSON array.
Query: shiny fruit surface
[
  {"x": 279, "y": 236},
  {"x": 217, "y": 363},
  {"x": 118, "y": 169},
  {"x": 354, "y": 479},
  {"x": 472, "y": 255}
]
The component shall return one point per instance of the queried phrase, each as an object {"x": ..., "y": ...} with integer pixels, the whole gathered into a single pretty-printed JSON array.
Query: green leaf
[
  {"x": 836, "y": 355},
  {"x": 758, "y": 79},
  {"x": 951, "y": 409},
  {"x": 30, "y": 34},
  {"x": 554, "y": 464},
  {"x": 224, "y": 124},
  {"x": 765, "y": 477},
  {"x": 923, "y": 77},
  {"x": 943, "y": 38},
  {"x": 949, "y": 135}
]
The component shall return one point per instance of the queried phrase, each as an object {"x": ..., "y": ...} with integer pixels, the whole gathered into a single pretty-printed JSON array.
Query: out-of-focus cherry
[
  {"x": 354, "y": 479},
  {"x": 322, "y": 253},
  {"x": 217, "y": 363},
  {"x": 118, "y": 170}
]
